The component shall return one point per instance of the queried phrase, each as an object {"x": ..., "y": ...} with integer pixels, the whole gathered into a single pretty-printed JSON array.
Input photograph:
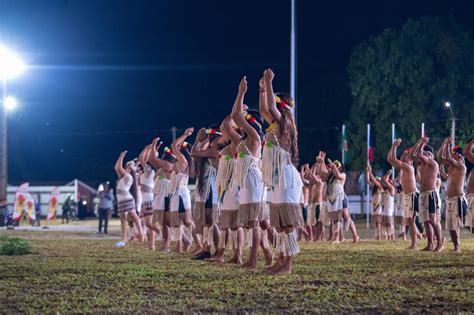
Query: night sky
[{"x": 109, "y": 75}]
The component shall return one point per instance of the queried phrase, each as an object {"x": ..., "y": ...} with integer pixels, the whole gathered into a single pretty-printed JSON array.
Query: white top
[
  {"x": 147, "y": 183},
  {"x": 123, "y": 187}
]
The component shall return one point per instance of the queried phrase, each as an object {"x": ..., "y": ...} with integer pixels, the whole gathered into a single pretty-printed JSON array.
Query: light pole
[
  {"x": 10, "y": 67},
  {"x": 453, "y": 122}
]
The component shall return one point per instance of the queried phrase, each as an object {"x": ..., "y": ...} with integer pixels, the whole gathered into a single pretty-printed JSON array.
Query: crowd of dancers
[{"x": 248, "y": 189}]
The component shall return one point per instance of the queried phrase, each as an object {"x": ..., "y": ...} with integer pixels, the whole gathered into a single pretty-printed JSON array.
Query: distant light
[
  {"x": 447, "y": 104},
  {"x": 10, "y": 103},
  {"x": 84, "y": 202},
  {"x": 10, "y": 65}
]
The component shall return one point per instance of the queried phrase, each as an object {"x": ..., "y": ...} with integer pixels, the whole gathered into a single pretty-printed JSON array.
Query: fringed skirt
[
  {"x": 204, "y": 216},
  {"x": 126, "y": 205},
  {"x": 249, "y": 212},
  {"x": 228, "y": 219},
  {"x": 286, "y": 215}
]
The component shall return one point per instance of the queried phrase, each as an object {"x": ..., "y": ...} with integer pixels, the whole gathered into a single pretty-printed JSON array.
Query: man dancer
[
  {"x": 469, "y": 155},
  {"x": 408, "y": 183},
  {"x": 456, "y": 202},
  {"x": 428, "y": 207}
]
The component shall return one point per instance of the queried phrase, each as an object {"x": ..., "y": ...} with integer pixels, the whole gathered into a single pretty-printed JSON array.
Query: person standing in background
[{"x": 106, "y": 204}]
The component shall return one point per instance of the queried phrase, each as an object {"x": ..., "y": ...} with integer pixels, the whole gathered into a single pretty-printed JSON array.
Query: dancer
[
  {"x": 399, "y": 209},
  {"x": 280, "y": 156},
  {"x": 456, "y": 202},
  {"x": 230, "y": 235},
  {"x": 161, "y": 201},
  {"x": 247, "y": 173},
  {"x": 126, "y": 202},
  {"x": 469, "y": 155},
  {"x": 388, "y": 205},
  {"x": 428, "y": 207},
  {"x": 305, "y": 230},
  {"x": 377, "y": 191},
  {"x": 146, "y": 187},
  {"x": 408, "y": 183},
  {"x": 180, "y": 196},
  {"x": 206, "y": 207},
  {"x": 317, "y": 207}
]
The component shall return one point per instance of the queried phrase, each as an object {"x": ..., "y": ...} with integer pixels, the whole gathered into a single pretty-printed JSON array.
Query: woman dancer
[
  {"x": 180, "y": 197},
  {"x": 388, "y": 205},
  {"x": 247, "y": 173},
  {"x": 400, "y": 209},
  {"x": 161, "y": 200},
  {"x": 126, "y": 202},
  {"x": 146, "y": 187},
  {"x": 206, "y": 207},
  {"x": 280, "y": 155},
  {"x": 377, "y": 191}
]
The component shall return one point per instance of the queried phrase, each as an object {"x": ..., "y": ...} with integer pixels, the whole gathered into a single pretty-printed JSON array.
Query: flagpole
[
  {"x": 422, "y": 129},
  {"x": 293, "y": 57},
  {"x": 367, "y": 205},
  {"x": 393, "y": 140},
  {"x": 342, "y": 144}
]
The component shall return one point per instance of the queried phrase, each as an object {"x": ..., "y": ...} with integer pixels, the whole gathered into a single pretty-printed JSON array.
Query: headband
[
  {"x": 283, "y": 103},
  {"x": 212, "y": 131}
]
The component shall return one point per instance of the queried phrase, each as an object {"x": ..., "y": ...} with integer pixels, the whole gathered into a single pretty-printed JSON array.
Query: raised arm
[
  {"x": 442, "y": 172},
  {"x": 468, "y": 154},
  {"x": 440, "y": 153},
  {"x": 372, "y": 179},
  {"x": 388, "y": 183},
  {"x": 155, "y": 161},
  {"x": 182, "y": 163},
  {"x": 337, "y": 173},
  {"x": 392, "y": 158},
  {"x": 238, "y": 117},
  {"x": 144, "y": 156},
  {"x": 322, "y": 170},
  {"x": 268, "y": 76},
  {"x": 119, "y": 165},
  {"x": 203, "y": 152},
  {"x": 262, "y": 102},
  {"x": 227, "y": 127}
]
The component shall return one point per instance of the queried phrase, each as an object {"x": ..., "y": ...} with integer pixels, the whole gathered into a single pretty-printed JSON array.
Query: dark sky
[{"x": 110, "y": 75}]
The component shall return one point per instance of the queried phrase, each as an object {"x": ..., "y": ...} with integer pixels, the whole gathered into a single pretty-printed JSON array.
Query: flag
[
  {"x": 19, "y": 204},
  {"x": 53, "y": 203},
  {"x": 30, "y": 207}
]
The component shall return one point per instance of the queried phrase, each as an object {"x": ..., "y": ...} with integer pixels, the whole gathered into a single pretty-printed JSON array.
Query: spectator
[
  {"x": 106, "y": 205},
  {"x": 67, "y": 207}
]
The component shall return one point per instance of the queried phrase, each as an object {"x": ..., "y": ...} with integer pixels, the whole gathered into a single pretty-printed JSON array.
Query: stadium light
[
  {"x": 453, "y": 122},
  {"x": 10, "y": 103},
  {"x": 10, "y": 65}
]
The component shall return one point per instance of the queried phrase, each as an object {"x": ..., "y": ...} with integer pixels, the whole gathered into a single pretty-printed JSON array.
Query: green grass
[{"x": 85, "y": 275}]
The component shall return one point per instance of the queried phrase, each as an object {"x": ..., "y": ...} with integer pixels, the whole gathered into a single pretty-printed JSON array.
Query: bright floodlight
[
  {"x": 10, "y": 103},
  {"x": 10, "y": 65},
  {"x": 447, "y": 104}
]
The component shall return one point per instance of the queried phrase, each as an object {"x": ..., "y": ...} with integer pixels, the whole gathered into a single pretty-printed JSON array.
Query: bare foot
[
  {"x": 269, "y": 259},
  {"x": 249, "y": 265},
  {"x": 187, "y": 246},
  {"x": 419, "y": 236},
  {"x": 217, "y": 260},
  {"x": 356, "y": 239},
  {"x": 428, "y": 248},
  {"x": 235, "y": 260},
  {"x": 197, "y": 250},
  {"x": 412, "y": 247},
  {"x": 281, "y": 271},
  {"x": 457, "y": 250},
  {"x": 335, "y": 242},
  {"x": 440, "y": 247},
  {"x": 165, "y": 250}
]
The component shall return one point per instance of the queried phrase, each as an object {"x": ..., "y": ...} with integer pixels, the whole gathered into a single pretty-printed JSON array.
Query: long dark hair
[
  {"x": 288, "y": 131},
  {"x": 257, "y": 123},
  {"x": 186, "y": 151}
]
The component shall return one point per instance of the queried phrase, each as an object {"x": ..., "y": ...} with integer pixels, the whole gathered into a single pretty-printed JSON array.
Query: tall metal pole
[
  {"x": 393, "y": 140},
  {"x": 367, "y": 205},
  {"x": 3, "y": 145},
  {"x": 422, "y": 129},
  {"x": 343, "y": 137},
  {"x": 293, "y": 56},
  {"x": 173, "y": 133},
  {"x": 453, "y": 129}
]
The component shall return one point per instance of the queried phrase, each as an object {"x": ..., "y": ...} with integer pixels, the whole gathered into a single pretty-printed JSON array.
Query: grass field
[{"x": 69, "y": 273}]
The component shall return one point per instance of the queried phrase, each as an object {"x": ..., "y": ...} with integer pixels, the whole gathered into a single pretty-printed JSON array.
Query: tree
[{"x": 404, "y": 76}]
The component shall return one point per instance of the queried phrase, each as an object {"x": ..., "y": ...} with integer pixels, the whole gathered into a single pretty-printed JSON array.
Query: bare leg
[
  {"x": 123, "y": 226},
  {"x": 291, "y": 249},
  {"x": 455, "y": 238},
  {"x": 429, "y": 237},
  {"x": 335, "y": 232},
  {"x": 151, "y": 232},
  {"x": 138, "y": 224},
  {"x": 352, "y": 227},
  {"x": 254, "y": 241},
  {"x": 264, "y": 244},
  {"x": 166, "y": 238},
  {"x": 331, "y": 232},
  {"x": 413, "y": 233}
]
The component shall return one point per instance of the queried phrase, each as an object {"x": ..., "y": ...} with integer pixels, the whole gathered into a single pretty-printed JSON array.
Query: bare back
[{"x": 407, "y": 178}]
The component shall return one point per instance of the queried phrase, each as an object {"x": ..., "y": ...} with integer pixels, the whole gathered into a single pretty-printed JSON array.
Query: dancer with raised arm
[
  {"x": 388, "y": 205},
  {"x": 399, "y": 209},
  {"x": 206, "y": 208},
  {"x": 147, "y": 182},
  {"x": 180, "y": 196},
  {"x": 377, "y": 191},
  {"x": 469, "y": 155},
  {"x": 126, "y": 202},
  {"x": 316, "y": 203},
  {"x": 456, "y": 202},
  {"x": 279, "y": 161},
  {"x": 248, "y": 176},
  {"x": 428, "y": 203},
  {"x": 408, "y": 183}
]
